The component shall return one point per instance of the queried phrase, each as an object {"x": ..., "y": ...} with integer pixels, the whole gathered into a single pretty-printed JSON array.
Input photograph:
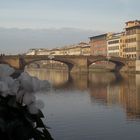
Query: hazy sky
[{"x": 89, "y": 15}]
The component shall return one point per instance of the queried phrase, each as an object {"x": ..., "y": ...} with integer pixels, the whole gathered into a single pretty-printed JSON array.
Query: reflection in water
[
  {"x": 113, "y": 89},
  {"x": 56, "y": 77},
  {"x": 130, "y": 96},
  {"x": 97, "y": 106},
  {"x": 105, "y": 88}
]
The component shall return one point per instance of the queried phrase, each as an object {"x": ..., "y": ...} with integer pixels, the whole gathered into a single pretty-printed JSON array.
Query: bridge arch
[
  {"x": 118, "y": 62},
  {"x": 69, "y": 63},
  {"x": 6, "y": 63}
]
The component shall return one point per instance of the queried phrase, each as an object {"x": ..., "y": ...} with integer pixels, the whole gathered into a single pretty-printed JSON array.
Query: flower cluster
[{"x": 19, "y": 107}]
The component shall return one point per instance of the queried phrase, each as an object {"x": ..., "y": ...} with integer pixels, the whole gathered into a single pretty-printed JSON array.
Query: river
[{"x": 97, "y": 106}]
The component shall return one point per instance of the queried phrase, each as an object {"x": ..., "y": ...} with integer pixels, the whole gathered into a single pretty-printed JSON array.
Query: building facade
[
  {"x": 99, "y": 45},
  {"x": 122, "y": 45},
  {"x": 132, "y": 41},
  {"x": 114, "y": 45},
  {"x": 42, "y": 52},
  {"x": 31, "y": 52},
  {"x": 82, "y": 48},
  {"x": 85, "y": 50}
]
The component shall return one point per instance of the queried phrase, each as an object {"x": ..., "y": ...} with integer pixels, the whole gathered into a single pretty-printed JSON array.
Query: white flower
[
  {"x": 6, "y": 70},
  {"x": 28, "y": 98},
  {"x": 11, "y": 86},
  {"x": 32, "y": 84},
  {"x": 4, "y": 90},
  {"x": 33, "y": 109},
  {"x": 23, "y": 88}
]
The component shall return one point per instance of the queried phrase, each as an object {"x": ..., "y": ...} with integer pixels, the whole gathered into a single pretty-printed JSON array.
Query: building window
[
  {"x": 130, "y": 40},
  {"x": 113, "y": 48},
  {"x": 131, "y": 49},
  {"x": 113, "y": 42},
  {"x": 131, "y": 32}
]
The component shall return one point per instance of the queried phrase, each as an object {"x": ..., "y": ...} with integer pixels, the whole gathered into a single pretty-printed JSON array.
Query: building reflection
[
  {"x": 130, "y": 96},
  {"x": 61, "y": 79},
  {"x": 56, "y": 77},
  {"x": 98, "y": 86},
  {"x": 105, "y": 88},
  {"x": 108, "y": 89},
  {"x": 126, "y": 92}
]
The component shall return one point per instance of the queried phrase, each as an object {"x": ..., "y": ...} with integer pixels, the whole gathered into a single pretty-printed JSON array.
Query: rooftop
[
  {"x": 99, "y": 36},
  {"x": 134, "y": 23}
]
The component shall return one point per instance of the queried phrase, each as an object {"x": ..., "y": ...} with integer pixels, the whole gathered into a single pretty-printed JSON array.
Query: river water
[{"x": 97, "y": 106}]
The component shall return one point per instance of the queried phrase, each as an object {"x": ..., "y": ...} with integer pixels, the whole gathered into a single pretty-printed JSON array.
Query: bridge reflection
[{"x": 107, "y": 89}]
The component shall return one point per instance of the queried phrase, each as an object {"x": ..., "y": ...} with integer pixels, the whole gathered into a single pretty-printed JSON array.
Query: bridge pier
[
  {"x": 118, "y": 68},
  {"x": 81, "y": 66},
  {"x": 79, "y": 69}
]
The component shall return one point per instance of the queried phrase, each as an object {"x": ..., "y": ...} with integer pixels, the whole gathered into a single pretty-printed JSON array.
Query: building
[
  {"x": 122, "y": 45},
  {"x": 132, "y": 41},
  {"x": 85, "y": 50},
  {"x": 114, "y": 44},
  {"x": 99, "y": 45},
  {"x": 31, "y": 52},
  {"x": 74, "y": 50},
  {"x": 43, "y": 52},
  {"x": 82, "y": 48},
  {"x": 55, "y": 51}
]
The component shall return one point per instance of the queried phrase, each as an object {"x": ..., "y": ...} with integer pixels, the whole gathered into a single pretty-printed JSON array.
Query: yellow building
[
  {"x": 132, "y": 41},
  {"x": 43, "y": 52},
  {"x": 82, "y": 48},
  {"x": 74, "y": 50},
  {"x": 85, "y": 50},
  {"x": 55, "y": 51}
]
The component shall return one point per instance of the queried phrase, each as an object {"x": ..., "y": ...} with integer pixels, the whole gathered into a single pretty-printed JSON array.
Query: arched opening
[
  {"x": 50, "y": 64},
  {"x": 57, "y": 72},
  {"x": 47, "y": 64},
  {"x": 106, "y": 65},
  {"x": 101, "y": 66}
]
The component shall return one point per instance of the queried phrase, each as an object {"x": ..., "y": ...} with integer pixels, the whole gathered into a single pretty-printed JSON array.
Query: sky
[{"x": 87, "y": 17}]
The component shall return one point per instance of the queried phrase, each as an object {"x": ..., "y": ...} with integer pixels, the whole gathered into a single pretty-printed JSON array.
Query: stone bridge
[{"x": 74, "y": 63}]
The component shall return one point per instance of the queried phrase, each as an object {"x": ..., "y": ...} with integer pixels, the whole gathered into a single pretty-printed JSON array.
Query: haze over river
[{"x": 97, "y": 106}]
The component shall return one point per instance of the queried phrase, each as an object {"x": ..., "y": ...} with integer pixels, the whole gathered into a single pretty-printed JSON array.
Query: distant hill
[{"x": 14, "y": 41}]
